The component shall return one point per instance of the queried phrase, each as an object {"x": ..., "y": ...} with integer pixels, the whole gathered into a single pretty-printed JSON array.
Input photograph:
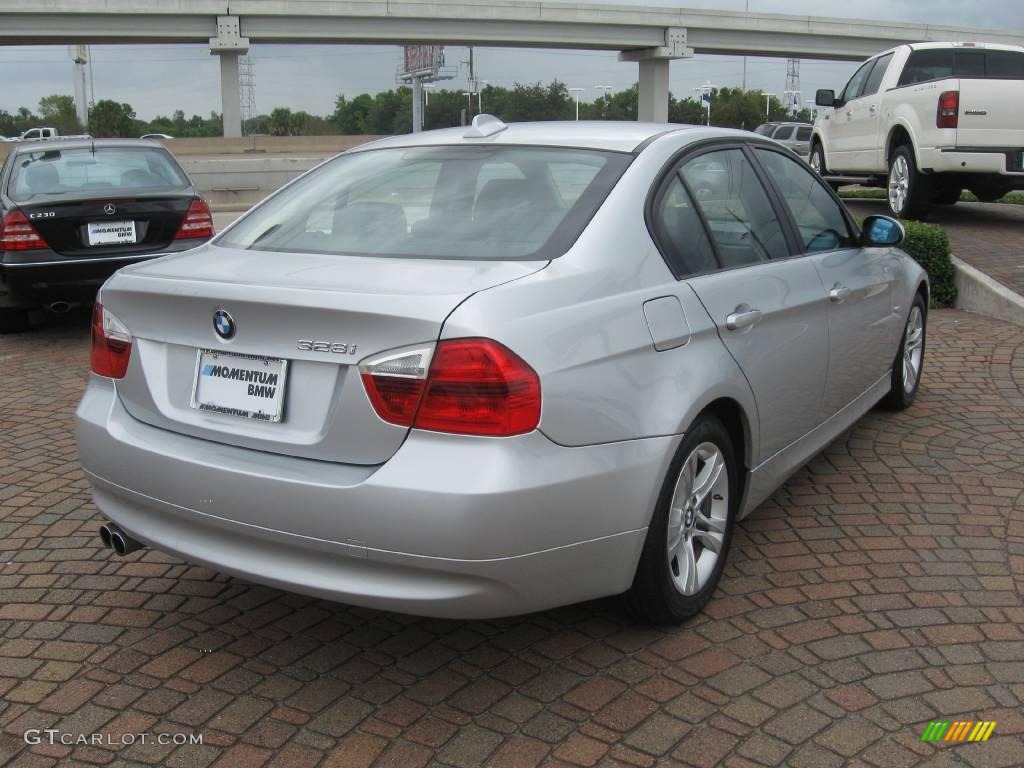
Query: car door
[
  {"x": 864, "y": 120},
  {"x": 842, "y": 133},
  {"x": 863, "y": 328},
  {"x": 769, "y": 308}
]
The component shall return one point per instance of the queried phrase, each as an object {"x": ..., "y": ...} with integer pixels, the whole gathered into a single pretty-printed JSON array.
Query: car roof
[
  {"x": 616, "y": 136},
  {"x": 21, "y": 148},
  {"x": 981, "y": 45}
]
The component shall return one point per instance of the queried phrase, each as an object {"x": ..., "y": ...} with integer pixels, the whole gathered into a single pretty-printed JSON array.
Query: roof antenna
[{"x": 484, "y": 126}]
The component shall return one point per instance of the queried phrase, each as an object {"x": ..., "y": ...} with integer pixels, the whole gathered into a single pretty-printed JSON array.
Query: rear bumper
[
  {"x": 999, "y": 161},
  {"x": 51, "y": 278},
  {"x": 450, "y": 527}
]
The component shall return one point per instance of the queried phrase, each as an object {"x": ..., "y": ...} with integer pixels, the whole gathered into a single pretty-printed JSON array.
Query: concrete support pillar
[
  {"x": 653, "y": 97},
  {"x": 417, "y": 105},
  {"x": 230, "y": 94}
]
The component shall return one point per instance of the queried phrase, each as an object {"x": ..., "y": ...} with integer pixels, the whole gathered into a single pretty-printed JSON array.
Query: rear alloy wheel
[
  {"x": 909, "y": 192},
  {"x": 906, "y": 369},
  {"x": 690, "y": 532},
  {"x": 13, "y": 320}
]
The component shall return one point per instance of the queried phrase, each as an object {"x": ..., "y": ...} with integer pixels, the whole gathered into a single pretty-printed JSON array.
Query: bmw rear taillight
[
  {"x": 948, "y": 114},
  {"x": 18, "y": 234},
  {"x": 111, "y": 344},
  {"x": 198, "y": 222},
  {"x": 463, "y": 386}
]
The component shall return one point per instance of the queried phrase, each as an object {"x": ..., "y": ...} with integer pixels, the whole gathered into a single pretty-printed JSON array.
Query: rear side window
[
  {"x": 743, "y": 224},
  {"x": 54, "y": 174},
  {"x": 765, "y": 130},
  {"x": 445, "y": 202},
  {"x": 803, "y": 134},
  {"x": 927, "y": 64},
  {"x": 680, "y": 232},
  {"x": 784, "y": 133}
]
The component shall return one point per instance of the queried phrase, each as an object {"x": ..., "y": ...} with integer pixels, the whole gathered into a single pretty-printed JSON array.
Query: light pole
[
  {"x": 607, "y": 90},
  {"x": 480, "y": 94},
  {"x": 427, "y": 87},
  {"x": 577, "y": 91},
  {"x": 747, "y": 10},
  {"x": 767, "y": 103},
  {"x": 469, "y": 103}
]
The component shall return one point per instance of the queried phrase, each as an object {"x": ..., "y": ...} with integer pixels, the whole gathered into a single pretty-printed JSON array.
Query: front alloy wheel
[{"x": 906, "y": 369}]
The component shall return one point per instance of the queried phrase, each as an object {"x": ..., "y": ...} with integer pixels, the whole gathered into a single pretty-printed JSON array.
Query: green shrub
[
  {"x": 862, "y": 193},
  {"x": 928, "y": 244}
]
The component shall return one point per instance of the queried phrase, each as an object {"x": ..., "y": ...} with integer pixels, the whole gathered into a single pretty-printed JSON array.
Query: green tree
[
  {"x": 281, "y": 122},
  {"x": 110, "y": 119},
  {"x": 58, "y": 111}
]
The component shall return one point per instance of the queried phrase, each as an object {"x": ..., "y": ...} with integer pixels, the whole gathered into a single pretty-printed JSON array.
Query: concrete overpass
[{"x": 649, "y": 35}]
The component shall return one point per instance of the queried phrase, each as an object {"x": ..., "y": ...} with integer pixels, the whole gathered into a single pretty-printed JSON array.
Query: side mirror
[
  {"x": 825, "y": 98},
  {"x": 881, "y": 232}
]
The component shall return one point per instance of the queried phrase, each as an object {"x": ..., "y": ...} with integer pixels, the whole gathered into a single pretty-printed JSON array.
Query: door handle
[
  {"x": 838, "y": 293},
  {"x": 743, "y": 317},
  {"x": 874, "y": 107},
  {"x": 849, "y": 113}
]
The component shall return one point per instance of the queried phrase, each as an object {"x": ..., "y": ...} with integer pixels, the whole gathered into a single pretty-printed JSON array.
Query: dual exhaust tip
[{"x": 116, "y": 539}]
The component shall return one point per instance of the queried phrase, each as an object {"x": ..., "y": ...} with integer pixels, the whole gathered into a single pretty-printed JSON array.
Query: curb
[{"x": 979, "y": 293}]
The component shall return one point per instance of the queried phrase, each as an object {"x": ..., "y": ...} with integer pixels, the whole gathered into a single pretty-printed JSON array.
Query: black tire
[
  {"x": 13, "y": 320},
  {"x": 901, "y": 396},
  {"x": 654, "y": 597},
  {"x": 947, "y": 196},
  {"x": 917, "y": 197}
]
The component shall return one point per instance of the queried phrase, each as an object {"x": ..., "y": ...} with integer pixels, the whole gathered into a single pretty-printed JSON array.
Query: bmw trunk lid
[{"x": 320, "y": 313}]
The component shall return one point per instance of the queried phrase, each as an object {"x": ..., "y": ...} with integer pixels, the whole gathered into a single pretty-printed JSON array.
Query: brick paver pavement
[
  {"x": 988, "y": 236},
  {"x": 878, "y": 590}
]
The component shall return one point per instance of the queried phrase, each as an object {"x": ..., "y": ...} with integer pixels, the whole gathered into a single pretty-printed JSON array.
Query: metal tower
[
  {"x": 791, "y": 96},
  {"x": 247, "y": 88}
]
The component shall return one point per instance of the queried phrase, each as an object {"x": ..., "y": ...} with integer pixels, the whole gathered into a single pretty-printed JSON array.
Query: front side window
[
  {"x": 450, "y": 202},
  {"x": 821, "y": 222},
  {"x": 53, "y": 174},
  {"x": 877, "y": 73},
  {"x": 856, "y": 85},
  {"x": 803, "y": 134},
  {"x": 736, "y": 207}
]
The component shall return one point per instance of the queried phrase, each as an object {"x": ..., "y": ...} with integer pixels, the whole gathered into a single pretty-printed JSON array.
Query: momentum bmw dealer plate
[
  {"x": 249, "y": 386},
  {"x": 111, "y": 232}
]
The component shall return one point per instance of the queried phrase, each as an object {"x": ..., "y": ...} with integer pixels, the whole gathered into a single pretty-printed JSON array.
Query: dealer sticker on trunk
[{"x": 249, "y": 386}]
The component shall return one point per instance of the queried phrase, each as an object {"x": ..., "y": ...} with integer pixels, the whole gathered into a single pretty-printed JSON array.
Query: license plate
[
  {"x": 111, "y": 232},
  {"x": 249, "y": 386}
]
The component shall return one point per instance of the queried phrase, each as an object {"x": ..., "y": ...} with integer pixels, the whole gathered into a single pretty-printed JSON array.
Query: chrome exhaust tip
[
  {"x": 60, "y": 307},
  {"x": 116, "y": 539}
]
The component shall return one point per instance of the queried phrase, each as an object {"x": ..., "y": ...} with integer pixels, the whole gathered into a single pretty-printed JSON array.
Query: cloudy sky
[{"x": 159, "y": 79}]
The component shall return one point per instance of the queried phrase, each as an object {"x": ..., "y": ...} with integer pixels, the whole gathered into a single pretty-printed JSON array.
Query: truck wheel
[
  {"x": 947, "y": 196},
  {"x": 909, "y": 189},
  {"x": 817, "y": 160}
]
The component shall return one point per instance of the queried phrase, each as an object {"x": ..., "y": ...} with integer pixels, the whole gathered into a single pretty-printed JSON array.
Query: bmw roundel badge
[{"x": 223, "y": 324}]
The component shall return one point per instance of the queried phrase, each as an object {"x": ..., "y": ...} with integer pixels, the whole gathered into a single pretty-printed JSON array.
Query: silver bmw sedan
[{"x": 490, "y": 370}]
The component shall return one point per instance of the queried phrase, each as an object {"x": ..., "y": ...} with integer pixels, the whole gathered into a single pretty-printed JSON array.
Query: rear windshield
[
  {"x": 445, "y": 202},
  {"x": 89, "y": 172},
  {"x": 941, "y": 63}
]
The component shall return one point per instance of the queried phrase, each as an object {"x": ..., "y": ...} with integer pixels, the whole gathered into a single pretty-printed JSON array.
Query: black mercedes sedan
[{"x": 74, "y": 212}]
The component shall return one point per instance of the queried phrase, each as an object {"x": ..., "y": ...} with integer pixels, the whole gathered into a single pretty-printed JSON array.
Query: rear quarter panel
[{"x": 580, "y": 324}]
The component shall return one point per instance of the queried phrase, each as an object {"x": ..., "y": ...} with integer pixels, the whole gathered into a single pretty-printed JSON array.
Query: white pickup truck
[
  {"x": 47, "y": 134},
  {"x": 926, "y": 121}
]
